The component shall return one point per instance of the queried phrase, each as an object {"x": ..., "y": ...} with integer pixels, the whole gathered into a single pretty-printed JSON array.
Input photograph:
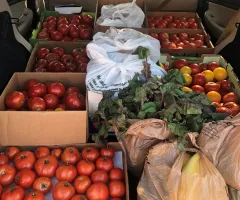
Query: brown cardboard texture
[
  {"x": 67, "y": 47},
  {"x": 115, "y": 145},
  {"x": 45, "y": 127}
]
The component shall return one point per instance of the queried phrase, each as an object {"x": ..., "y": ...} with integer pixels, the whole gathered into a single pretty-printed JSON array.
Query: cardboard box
[
  {"x": 100, "y": 3},
  {"x": 67, "y": 47},
  {"x": 45, "y": 127},
  {"x": 120, "y": 159}
]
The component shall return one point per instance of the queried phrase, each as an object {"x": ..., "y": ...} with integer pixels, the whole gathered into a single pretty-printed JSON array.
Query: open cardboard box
[
  {"x": 44, "y": 127},
  {"x": 120, "y": 159},
  {"x": 67, "y": 47}
]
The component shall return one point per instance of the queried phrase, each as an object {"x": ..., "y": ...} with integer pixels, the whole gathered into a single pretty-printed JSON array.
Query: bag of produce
[
  {"x": 121, "y": 15},
  {"x": 233, "y": 194},
  {"x": 195, "y": 177},
  {"x": 219, "y": 142}
]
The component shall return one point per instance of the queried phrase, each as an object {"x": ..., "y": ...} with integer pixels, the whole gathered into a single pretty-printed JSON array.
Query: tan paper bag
[
  {"x": 233, "y": 194},
  {"x": 220, "y": 142}
]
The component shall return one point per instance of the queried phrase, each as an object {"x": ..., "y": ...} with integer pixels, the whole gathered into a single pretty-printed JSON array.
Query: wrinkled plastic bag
[
  {"x": 113, "y": 71},
  {"x": 121, "y": 15},
  {"x": 139, "y": 138},
  {"x": 220, "y": 142},
  {"x": 127, "y": 41},
  {"x": 205, "y": 185}
]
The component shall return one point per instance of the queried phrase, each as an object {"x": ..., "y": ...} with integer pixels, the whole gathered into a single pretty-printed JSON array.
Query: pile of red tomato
[
  {"x": 169, "y": 21},
  {"x": 72, "y": 28},
  {"x": 211, "y": 79},
  {"x": 86, "y": 175},
  {"x": 49, "y": 96},
  {"x": 56, "y": 60}
]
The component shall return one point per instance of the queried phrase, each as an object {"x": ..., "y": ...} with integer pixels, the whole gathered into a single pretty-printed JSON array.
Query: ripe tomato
[
  {"x": 107, "y": 152},
  {"x": 37, "y": 90},
  {"x": 214, "y": 96},
  {"x": 180, "y": 63},
  {"x": 52, "y": 57},
  {"x": 209, "y": 75},
  {"x": 1, "y": 189},
  {"x": 224, "y": 110},
  {"x": 211, "y": 86},
  {"x": 67, "y": 58},
  {"x": 90, "y": 153},
  {"x": 74, "y": 32},
  {"x": 188, "y": 79},
  {"x": 56, "y": 36},
  {"x": 220, "y": 73},
  {"x": 66, "y": 173},
  {"x": 41, "y": 152},
  {"x": 63, "y": 191},
  {"x": 154, "y": 35},
  {"x": 24, "y": 159},
  {"x": 79, "y": 197},
  {"x": 29, "y": 84},
  {"x": 235, "y": 108},
  {"x": 230, "y": 97},
  {"x": 116, "y": 174},
  {"x": 104, "y": 163},
  {"x": 42, "y": 53},
  {"x": 35, "y": 195},
  {"x": 80, "y": 59},
  {"x": 7, "y": 174},
  {"x": 75, "y": 102},
  {"x": 15, "y": 100},
  {"x": 57, "y": 89},
  {"x": 73, "y": 90},
  {"x": 43, "y": 35},
  {"x": 199, "y": 79},
  {"x": 212, "y": 66},
  {"x": 216, "y": 104},
  {"x": 116, "y": 189},
  {"x": 186, "y": 70},
  {"x": 14, "y": 192},
  {"x": 99, "y": 176},
  {"x": 25, "y": 178},
  {"x": 51, "y": 101},
  {"x": 81, "y": 184},
  {"x": 70, "y": 156},
  {"x": 226, "y": 86},
  {"x": 36, "y": 104},
  {"x": 42, "y": 184},
  {"x": 57, "y": 152},
  {"x": 46, "y": 166},
  {"x": 58, "y": 50},
  {"x": 85, "y": 167},
  {"x": 88, "y": 19},
  {"x": 98, "y": 191},
  {"x": 195, "y": 68},
  {"x": 3, "y": 159},
  {"x": 79, "y": 51},
  {"x": 203, "y": 66}
]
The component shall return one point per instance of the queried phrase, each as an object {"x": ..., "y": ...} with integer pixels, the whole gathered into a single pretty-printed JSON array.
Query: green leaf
[
  {"x": 177, "y": 129},
  {"x": 148, "y": 105},
  {"x": 142, "y": 52},
  {"x": 140, "y": 94},
  {"x": 141, "y": 115}
]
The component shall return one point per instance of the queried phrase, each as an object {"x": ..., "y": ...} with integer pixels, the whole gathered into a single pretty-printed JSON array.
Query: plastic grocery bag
[
  {"x": 121, "y": 15},
  {"x": 196, "y": 179},
  {"x": 220, "y": 142},
  {"x": 113, "y": 71},
  {"x": 127, "y": 41}
]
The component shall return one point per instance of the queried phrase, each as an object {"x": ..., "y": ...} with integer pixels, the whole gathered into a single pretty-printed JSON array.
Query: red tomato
[
  {"x": 58, "y": 50},
  {"x": 180, "y": 63},
  {"x": 56, "y": 36},
  {"x": 104, "y": 163},
  {"x": 116, "y": 174},
  {"x": 3, "y": 159},
  {"x": 25, "y": 178},
  {"x": 195, "y": 68},
  {"x": 46, "y": 166},
  {"x": 67, "y": 58},
  {"x": 62, "y": 21},
  {"x": 74, "y": 32},
  {"x": 199, "y": 43},
  {"x": 66, "y": 173},
  {"x": 197, "y": 89},
  {"x": 204, "y": 66},
  {"x": 43, "y": 35},
  {"x": 199, "y": 79},
  {"x": 82, "y": 67},
  {"x": 107, "y": 152},
  {"x": 1, "y": 189},
  {"x": 226, "y": 86},
  {"x": 171, "y": 25},
  {"x": 212, "y": 66},
  {"x": 52, "y": 57},
  {"x": 57, "y": 89},
  {"x": 41, "y": 152},
  {"x": 63, "y": 29},
  {"x": 51, "y": 101},
  {"x": 168, "y": 18},
  {"x": 199, "y": 37},
  {"x": 80, "y": 59},
  {"x": 81, "y": 184},
  {"x": 13, "y": 193},
  {"x": 37, "y": 90},
  {"x": 29, "y": 84},
  {"x": 7, "y": 174},
  {"x": 42, "y": 184},
  {"x": 87, "y": 19},
  {"x": 79, "y": 197},
  {"x": 70, "y": 156},
  {"x": 224, "y": 110},
  {"x": 85, "y": 167},
  {"x": 183, "y": 36},
  {"x": 86, "y": 34},
  {"x": 79, "y": 51},
  {"x": 75, "y": 102},
  {"x": 57, "y": 152},
  {"x": 41, "y": 63},
  {"x": 24, "y": 159},
  {"x": 63, "y": 191},
  {"x": 67, "y": 39},
  {"x": 98, "y": 191},
  {"x": 36, "y": 104},
  {"x": 73, "y": 90},
  {"x": 230, "y": 97},
  {"x": 51, "y": 18},
  {"x": 42, "y": 52},
  {"x": 235, "y": 108},
  {"x": 211, "y": 86},
  {"x": 35, "y": 195},
  {"x": 90, "y": 153},
  {"x": 116, "y": 189},
  {"x": 15, "y": 100},
  {"x": 99, "y": 176},
  {"x": 154, "y": 35}
]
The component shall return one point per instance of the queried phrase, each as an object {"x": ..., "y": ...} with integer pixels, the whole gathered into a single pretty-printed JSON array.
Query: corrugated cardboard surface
[
  {"x": 115, "y": 145},
  {"x": 67, "y": 47},
  {"x": 45, "y": 127}
]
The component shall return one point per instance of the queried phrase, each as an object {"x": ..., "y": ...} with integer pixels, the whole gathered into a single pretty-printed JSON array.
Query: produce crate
[
  {"x": 100, "y": 3},
  {"x": 187, "y": 51},
  {"x": 67, "y": 47},
  {"x": 33, "y": 39},
  {"x": 43, "y": 127},
  {"x": 120, "y": 159}
]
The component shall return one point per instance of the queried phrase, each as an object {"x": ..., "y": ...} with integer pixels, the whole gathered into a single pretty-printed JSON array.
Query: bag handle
[{"x": 122, "y": 10}]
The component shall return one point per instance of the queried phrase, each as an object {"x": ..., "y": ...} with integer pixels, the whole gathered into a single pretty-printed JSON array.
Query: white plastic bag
[
  {"x": 121, "y": 15},
  {"x": 113, "y": 71},
  {"x": 127, "y": 41}
]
